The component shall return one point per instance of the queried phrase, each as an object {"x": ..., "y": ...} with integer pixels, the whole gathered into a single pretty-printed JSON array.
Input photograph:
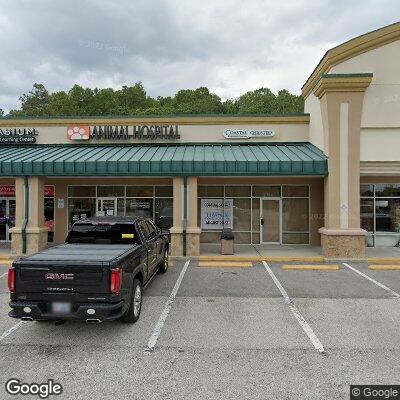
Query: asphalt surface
[{"x": 229, "y": 334}]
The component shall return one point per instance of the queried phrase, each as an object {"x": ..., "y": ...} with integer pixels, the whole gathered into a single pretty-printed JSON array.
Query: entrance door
[
  {"x": 7, "y": 218},
  {"x": 270, "y": 220},
  {"x": 106, "y": 206}
]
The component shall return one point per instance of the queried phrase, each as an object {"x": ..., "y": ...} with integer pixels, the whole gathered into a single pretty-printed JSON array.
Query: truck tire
[
  {"x": 163, "y": 268},
  {"x": 132, "y": 314}
]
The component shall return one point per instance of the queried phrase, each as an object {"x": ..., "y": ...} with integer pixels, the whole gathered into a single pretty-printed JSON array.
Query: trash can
[{"x": 227, "y": 241}]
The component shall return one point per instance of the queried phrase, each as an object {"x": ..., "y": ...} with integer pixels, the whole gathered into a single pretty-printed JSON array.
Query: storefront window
[
  {"x": 237, "y": 191},
  {"x": 139, "y": 207},
  {"x": 163, "y": 212},
  {"x": 164, "y": 191},
  {"x": 266, "y": 191},
  {"x": 367, "y": 190},
  {"x": 139, "y": 191},
  {"x": 295, "y": 191},
  {"x": 295, "y": 221},
  {"x": 245, "y": 202},
  {"x": 79, "y": 209},
  {"x": 384, "y": 190},
  {"x": 242, "y": 215},
  {"x": 380, "y": 214},
  {"x": 153, "y": 202},
  {"x": 210, "y": 191},
  {"x": 82, "y": 191},
  {"x": 110, "y": 191}
]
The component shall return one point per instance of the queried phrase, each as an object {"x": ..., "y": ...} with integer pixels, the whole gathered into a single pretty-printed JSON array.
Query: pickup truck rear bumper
[{"x": 34, "y": 310}]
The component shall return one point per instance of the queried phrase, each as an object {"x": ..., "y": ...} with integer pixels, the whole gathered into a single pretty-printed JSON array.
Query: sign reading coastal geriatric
[
  {"x": 122, "y": 132},
  {"x": 216, "y": 213},
  {"x": 248, "y": 133}
]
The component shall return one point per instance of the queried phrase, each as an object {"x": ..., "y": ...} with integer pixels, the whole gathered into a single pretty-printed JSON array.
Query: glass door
[
  {"x": 7, "y": 218},
  {"x": 270, "y": 220},
  {"x": 11, "y": 217},
  {"x": 106, "y": 206}
]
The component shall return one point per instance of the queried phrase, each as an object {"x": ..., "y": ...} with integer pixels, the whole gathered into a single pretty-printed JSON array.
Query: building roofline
[
  {"x": 349, "y": 49},
  {"x": 196, "y": 119}
]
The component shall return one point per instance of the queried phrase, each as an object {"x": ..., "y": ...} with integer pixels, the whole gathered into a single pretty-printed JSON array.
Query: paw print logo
[{"x": 78, "y": 132}]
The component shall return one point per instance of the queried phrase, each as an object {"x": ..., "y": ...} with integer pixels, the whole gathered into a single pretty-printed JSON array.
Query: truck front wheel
[{"x": 132, "y": 314}]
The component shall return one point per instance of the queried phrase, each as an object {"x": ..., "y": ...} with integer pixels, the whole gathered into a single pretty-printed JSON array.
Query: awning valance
[{"x": 164, "y": 160}]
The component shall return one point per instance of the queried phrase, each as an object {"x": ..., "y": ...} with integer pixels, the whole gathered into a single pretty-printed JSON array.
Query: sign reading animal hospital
[
  {"x": 216, "y": 213},
  {"x": 122, "y": 132},
  {"x": 248, "y": 133},
  {"x": 18, "y": 135}
]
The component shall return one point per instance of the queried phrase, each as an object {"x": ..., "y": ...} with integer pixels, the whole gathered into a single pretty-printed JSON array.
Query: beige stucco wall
[
  {"x": 312, "y": 106},
  {"x": 382, "y": 98}
]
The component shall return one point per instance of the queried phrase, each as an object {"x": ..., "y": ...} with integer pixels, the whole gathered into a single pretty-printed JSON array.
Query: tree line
[{"x": 133, "y": 100}]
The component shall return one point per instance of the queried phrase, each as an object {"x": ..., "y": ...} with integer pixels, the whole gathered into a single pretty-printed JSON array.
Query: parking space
[
  {"x": 335, "y": 284},
  {"x": 226, "y": 333}
]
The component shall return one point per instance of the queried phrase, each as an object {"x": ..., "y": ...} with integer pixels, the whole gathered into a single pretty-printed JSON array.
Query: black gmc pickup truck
[{"x": 97, "y": 275}]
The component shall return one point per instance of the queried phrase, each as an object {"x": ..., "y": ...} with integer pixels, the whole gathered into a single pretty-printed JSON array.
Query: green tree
[
  {"x": 260, "y": 101},
  {"x": 35, "y": 103},
  {"x": 133, "y": 100},
  {"x": 1, "y": 112}
]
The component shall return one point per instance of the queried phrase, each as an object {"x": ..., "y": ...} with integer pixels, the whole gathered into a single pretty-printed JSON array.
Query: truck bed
[{"x": 81, "y": 252}]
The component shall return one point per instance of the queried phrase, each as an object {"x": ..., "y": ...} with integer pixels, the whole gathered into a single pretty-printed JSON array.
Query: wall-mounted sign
[
  {"x": 18, "y": 135},
  {"x": 248, "y": 133},
  {"x": 122, "y": 132},
  {"x": 60, "y": 203},
  {"x": 216, "y": 213},
  {"x": 9, "y": 190}
]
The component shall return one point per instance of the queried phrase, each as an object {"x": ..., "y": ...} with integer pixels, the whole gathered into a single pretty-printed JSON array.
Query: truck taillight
[
  {"x": 11, "y": 279},
  {"x": 116, "y": 280}
]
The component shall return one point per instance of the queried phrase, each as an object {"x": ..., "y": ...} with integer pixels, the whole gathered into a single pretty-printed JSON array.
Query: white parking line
[
  {"x": 381, "y": 285},
  {"x": 11, "y": 330},
  {"x": 300, "y": 319},
  {"x": 167, "y": 308},
  {"x": 1, "y": 276}
]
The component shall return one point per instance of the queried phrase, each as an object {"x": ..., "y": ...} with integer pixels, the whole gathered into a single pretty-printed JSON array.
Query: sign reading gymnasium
[
  {"x": 18, "y": 135},
  {"x": 248, "y": 133},
  {"x": 122, "y": 132}
]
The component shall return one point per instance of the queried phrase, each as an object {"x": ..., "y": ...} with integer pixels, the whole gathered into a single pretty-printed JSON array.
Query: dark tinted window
[
  {"x": 103, "y": 233},
  {"x": 152, "y": 230},
  {"x": 144, "y": 228}
]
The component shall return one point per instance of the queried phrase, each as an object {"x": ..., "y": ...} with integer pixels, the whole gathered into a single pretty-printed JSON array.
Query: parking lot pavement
[{"x": 228, "y": 334}]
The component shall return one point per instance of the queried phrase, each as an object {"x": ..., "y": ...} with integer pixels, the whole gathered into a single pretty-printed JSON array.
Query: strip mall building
[{"x": 329, "y": 177}]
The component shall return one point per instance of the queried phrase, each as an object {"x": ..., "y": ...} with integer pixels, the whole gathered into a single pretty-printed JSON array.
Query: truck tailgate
[{"x": 63, "y": 277}]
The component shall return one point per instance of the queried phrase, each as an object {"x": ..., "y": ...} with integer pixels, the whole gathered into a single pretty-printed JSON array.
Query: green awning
[{"x": 163, "y": 160}]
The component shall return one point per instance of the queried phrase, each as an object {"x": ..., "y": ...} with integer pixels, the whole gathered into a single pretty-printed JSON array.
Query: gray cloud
[{"x": 230, "y": 46}]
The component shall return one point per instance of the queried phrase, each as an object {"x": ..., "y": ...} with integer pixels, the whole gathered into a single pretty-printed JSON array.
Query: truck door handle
[{"x": 262, "y": 221}]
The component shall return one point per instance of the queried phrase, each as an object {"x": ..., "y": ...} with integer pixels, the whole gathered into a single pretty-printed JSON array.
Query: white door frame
[
  {"x": 101, "y": 199},
  {"x": 279, "y": 199}
]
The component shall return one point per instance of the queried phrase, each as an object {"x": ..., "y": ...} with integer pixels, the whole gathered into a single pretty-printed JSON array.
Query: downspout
[
  {"x": 185, "y": 200},
  {"x": 26, "y": 214}
]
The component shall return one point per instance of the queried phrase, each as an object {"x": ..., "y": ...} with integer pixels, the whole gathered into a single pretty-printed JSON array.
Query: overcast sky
[{"x": 230, "y": 46}]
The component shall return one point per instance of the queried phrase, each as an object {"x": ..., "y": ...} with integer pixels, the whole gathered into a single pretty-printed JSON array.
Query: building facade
[{"x": 328, "y": 177}]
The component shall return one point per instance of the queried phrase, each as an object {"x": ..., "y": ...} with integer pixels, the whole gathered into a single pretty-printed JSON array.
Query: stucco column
[
  {"x": 193, "y": 229},
  {"x": 341, "y": 98},
  {"x": 177, "y": 228},
  {"x": 32, "y": 207}
]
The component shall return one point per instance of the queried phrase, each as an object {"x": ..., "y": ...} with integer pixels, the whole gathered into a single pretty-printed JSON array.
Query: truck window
[{"x": 103, "y": 234}]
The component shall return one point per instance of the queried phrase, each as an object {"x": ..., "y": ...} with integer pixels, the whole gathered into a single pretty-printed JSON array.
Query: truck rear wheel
[
  {"x": 132, "y": 314},
  {"x": 162, "y": 269}
]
